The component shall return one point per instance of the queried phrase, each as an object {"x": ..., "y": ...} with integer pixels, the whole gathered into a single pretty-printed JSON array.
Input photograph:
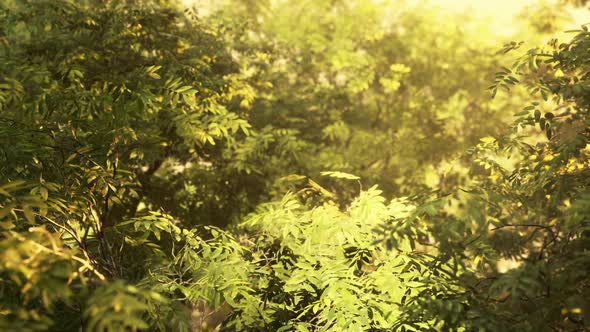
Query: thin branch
[
  {"x": 54, "y": 223},
  {"x": 74, "y": 257},
  {"x": 525, "y": 225}
]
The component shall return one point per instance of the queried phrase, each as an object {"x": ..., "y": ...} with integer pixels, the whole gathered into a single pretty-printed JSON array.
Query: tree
[
  {"x": 521, "y": 230},
  {"x": 96, "y": 99},
  {"x": 378, "y": 101},
  {"x": 129, "y": 130}
]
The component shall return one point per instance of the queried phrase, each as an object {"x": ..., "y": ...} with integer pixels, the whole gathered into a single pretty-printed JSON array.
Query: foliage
[
  {"x": 524, "y": 224},
  {"x": 354, "y": 98},
  {"x": 96, "y": 98},
  {"x": 332, "y": 151}
]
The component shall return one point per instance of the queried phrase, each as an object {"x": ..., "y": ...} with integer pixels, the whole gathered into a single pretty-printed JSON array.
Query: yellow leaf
[
  {"x": 5, "y": 211},
  {"x": 44, "y": 193},
  {"x": 477, "y": 260},
  {"x": 29, "y": 214},
  {"x": 340, "y": 175},
  {"x": 487, "y": 139},
  {"x": 7, "y": 225}
]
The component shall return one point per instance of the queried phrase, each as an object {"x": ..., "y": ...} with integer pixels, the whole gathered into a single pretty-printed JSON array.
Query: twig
[{"x": 74, "y": 257}]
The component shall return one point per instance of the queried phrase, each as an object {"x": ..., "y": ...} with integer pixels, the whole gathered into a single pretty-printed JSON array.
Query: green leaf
[
  {"x": 29, "y": 214},
  {"x": 340, "y": 175}
]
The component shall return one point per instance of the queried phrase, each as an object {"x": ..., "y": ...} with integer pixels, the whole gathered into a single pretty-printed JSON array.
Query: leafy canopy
[{"x": 131, "y": 130}]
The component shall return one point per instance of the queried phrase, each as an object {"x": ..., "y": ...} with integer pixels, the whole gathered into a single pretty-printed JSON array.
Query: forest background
[{"x": 266, "y": 165}]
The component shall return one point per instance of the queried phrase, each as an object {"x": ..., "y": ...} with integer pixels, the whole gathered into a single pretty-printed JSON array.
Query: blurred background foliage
[{"x": 293, "y": 166}]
